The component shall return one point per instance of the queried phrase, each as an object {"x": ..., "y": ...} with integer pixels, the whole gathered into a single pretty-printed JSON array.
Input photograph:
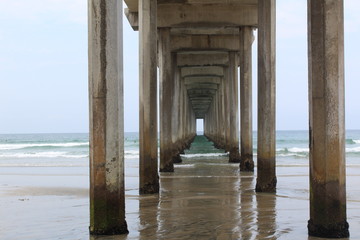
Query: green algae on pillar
[
  {"x": 148, "y": 169},
  {"x": 107, "y": 194},
  {"x": 266, "y": 171},
  {"x": 327, "y": 119}
]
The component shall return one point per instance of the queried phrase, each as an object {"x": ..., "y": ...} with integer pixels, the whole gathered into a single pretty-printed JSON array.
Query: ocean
[
  {"x": 72, "y": 149},
  {"x": 44, "y": 191}
]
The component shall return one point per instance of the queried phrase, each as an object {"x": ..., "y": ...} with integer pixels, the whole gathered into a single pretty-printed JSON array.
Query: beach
[{"x": 205, "y": 198}]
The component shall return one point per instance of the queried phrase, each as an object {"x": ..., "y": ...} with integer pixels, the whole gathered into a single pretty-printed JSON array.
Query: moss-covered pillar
[
  {"x": 327, "y": 125},
  {"x": 149, "y": 180},
  {"x": 246, "y": 40},
  {"x": 233, "y": 93},
  {"x": 166, "y": 101},
  {"x": 266, "y": 174},
  {"x": 107, "y": 195}
]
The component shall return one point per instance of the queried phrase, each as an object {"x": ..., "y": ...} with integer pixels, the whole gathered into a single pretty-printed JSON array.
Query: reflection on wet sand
[
  {"x": 266, "y": 216},
  {"x": 211, "y": 199},
  {"x": 203, "y": 200}
]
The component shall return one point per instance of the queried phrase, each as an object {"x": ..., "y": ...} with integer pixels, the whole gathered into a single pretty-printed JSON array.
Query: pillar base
[
  {"x": 269, "y": 186},
  {"x": 150, "y": 188},
  {"x": 234, "y": 156},
  {"x": 167, "y": 168},
  {"x": 336, "y": 230},
  {"x": 110, "y": 231},
  {"x": 177, "y": 159},
  {"x": 246, "y": 163}
]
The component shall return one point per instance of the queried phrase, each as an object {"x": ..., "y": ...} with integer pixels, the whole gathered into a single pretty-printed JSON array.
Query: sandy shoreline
[{"x": 198, "y": 201}]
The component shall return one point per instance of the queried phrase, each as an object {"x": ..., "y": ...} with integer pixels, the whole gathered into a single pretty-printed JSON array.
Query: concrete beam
[
  {"x": 205, "y": 31},
  {"x": 194, "y": 80},
  {"x": 209, "y": 86},
  {"x": 133, "y": 4},
  {"x": 202, "y": 58},
  {"x": 199, "y": 42},
  {"x": 202, "y": 71},
  {"x": 202, "y": 15},
  {"x": 201, "y": 92}
]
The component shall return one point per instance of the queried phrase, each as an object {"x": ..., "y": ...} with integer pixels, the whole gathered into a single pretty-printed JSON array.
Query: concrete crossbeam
[
  {"x": 203, "y": 15},
  {"x": 205, "y": 31},
  {"x": 202, "y": 71},
  {"x": 198, "y": 42},
  {"x": 194, "y": 80},
  {"x": 202, "y": 58},
  {"x": 197, "y": 86}
]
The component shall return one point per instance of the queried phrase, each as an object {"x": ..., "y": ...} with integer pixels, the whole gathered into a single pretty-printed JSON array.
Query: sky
[{"x": 43, "y": 67}]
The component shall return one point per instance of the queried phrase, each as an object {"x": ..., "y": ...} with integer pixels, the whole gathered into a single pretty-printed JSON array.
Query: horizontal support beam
[
  {"x": 199, "y": 42},
  {"x": 201, "y": 15},
  {"x": 201, "y": 92},
  {"x": 186, "y": 59},
  {"x": 202, "y": 71},
  {"x": 194, "y": 80},
  {"x": 205, "y": 31},
  {"x": 133, "y": 5},
  {"x": 202, "y": 86}
]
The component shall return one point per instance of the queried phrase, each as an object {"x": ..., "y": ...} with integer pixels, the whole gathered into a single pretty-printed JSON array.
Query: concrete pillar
[
  {"x": 266, "y": 177},
  {"x": 327, "y": 125},
  {"x": 166, "y": 101},
  {"x": 234, "y": 155},
  {"x": 246, "y": 39},
  {"x": 149, "y": 180},
  {"x": 175, "y": 125},
  {"x": 227, "y": 109},
  {"x": 107, "y": 196},
  {"x": 224, "y": 117}
]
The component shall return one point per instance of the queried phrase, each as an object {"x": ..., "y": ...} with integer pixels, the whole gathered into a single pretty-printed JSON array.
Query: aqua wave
[
  {"x": 42, "y": 145},
  {"x": 352, "y": 141},
  {"x": 43, "y": 155}
]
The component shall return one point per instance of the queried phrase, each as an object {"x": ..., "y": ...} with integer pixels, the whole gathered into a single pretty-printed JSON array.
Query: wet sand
[{"x": 203, "y": 199}]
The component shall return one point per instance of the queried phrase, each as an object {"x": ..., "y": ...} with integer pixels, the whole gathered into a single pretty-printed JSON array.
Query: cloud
[{"x": 74, "y": 11}]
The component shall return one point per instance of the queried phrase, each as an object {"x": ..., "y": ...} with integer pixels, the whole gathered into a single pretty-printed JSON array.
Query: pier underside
[{"x": 203, "y": 51}]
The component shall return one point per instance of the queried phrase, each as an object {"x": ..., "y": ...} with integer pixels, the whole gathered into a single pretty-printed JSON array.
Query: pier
[{"x": 200, "y": 48}]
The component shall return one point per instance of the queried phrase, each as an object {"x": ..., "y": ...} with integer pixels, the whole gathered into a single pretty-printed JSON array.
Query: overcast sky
[{"x": 43, "y": 67}]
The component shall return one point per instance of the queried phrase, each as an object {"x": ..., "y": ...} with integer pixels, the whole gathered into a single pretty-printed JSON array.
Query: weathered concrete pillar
[
  {"x": 166, "y": 101},
  {"x": 246, "y": 40},
  {"x": 149, "y": 180},
  {"x": 234, "y": 155},
  {"x": 266, "y": 177},
  {"x": 227, "y": 109},
  {"x": 327, "y": 125},
  {"x": 223, "y": 108},
  {"x": 176, "y": 117},
  {"x": 107, "y": 196}
]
